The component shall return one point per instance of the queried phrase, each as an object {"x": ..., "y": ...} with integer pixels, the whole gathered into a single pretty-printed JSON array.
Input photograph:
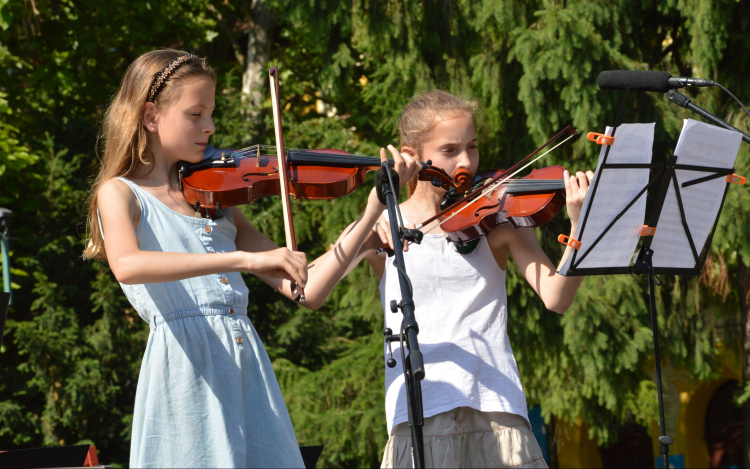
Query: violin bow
[
  {"x": 494, "y": 183},
  {"x": 291, "y": 242}
]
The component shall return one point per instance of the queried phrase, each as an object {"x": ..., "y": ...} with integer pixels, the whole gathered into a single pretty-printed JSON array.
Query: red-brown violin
[
  {"x": 527, "y": 202},
  {"x": 234, "y": 177},
  {"x": 498, "y": 198}
]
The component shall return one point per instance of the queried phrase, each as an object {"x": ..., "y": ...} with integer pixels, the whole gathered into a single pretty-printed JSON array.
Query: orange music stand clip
[
  {"x": 648, "y": 230},
  {"x": 601, "y": 139},
  {"x": 733, "y": 178},
  {"x": 568, "y": 241}
]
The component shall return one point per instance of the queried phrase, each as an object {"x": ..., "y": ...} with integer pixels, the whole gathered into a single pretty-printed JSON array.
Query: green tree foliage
[{"x": 74, "y": 344}]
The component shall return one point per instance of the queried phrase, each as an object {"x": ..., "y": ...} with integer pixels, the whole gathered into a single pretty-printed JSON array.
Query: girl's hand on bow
[
  {"x": 575, "y": 191},
  {"x": 279, "y": 263}
]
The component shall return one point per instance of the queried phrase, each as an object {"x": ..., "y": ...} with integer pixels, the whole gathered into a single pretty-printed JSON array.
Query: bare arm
[
  {"x": 354, "y": 244},
  {"x": 324, "y": 272},
  {"x": 556, "y": 291},
  {"x": 119, "y": 211}
]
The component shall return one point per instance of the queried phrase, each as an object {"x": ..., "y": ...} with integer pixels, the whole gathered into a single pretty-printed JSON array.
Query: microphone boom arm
[{"x": 683, "y": 101}]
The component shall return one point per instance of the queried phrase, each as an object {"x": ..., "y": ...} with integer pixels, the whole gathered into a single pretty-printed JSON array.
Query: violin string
[{"x": 494, "y": 186}]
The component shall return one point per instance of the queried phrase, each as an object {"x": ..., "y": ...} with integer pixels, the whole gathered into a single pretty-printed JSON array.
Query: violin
[
  {"x": 527, "y": 202},
  {"x": 228, "y": 177},
  {"x": 497, "y": 198}
]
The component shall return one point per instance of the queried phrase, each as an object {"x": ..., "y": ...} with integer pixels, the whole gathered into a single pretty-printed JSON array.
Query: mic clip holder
[{"x": 412, "y": 235}]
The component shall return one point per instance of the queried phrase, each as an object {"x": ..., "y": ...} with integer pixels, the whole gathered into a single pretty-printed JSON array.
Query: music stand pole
[
  {"x": 413, "y": 364},
  {"x": 644, "y": 265}
]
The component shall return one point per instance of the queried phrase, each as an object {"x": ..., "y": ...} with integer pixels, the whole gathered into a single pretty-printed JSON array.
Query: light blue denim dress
[{"x": 207, "y": 394}]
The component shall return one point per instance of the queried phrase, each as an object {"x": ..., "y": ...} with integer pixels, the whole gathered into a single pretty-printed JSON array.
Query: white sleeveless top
[{"x": 461, "y": 309}]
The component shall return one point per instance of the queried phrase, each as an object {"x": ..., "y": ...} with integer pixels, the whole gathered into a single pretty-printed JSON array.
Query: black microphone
[{"x": 638, "y": 80}]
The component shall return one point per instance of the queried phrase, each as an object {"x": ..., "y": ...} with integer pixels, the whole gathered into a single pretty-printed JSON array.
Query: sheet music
[
  {"x": 616, "y": 189},
  {"x": 704, "y": 145}
]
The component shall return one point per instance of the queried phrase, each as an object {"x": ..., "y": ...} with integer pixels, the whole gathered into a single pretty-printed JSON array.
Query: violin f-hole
[
  {"x": 244, "y": 176},
  {"x": 489, "y": 207}
]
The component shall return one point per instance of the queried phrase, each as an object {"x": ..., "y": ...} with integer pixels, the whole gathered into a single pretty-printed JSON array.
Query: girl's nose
[
  {"x": 463, "y": 160},
  {"x": 210, "y": 128}
]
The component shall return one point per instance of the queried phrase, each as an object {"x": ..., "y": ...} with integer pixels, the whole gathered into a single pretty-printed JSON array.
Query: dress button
[
  {"x": 208, "y": 229},
  {"x": 231, "y": 311},
  {"x": 239, "y": 340},
  {"x": 224, "y": 280}
]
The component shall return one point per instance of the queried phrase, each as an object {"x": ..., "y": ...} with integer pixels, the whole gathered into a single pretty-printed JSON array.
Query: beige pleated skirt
[{"x": 465, "y": 437}]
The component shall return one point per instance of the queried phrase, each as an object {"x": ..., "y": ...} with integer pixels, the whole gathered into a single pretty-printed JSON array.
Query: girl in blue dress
[{"x": 207, "y": 395}]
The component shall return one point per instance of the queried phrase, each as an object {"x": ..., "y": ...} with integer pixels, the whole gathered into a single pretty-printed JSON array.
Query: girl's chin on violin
[{"x": 198, "y": 154}]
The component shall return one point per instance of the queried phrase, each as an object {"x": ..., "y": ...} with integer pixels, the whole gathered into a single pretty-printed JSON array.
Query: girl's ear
[
  {"x": 149, "y": 117},
  {"x": 410, "y": 151}
]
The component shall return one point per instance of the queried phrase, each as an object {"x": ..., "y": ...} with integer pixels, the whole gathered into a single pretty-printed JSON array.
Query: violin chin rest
[{"x": 209, "y": 151}]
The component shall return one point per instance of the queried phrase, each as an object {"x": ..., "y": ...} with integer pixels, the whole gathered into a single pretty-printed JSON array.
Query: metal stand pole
[
  {"x": 413, "y": 363},
  {"x": 644, "y": 265}
]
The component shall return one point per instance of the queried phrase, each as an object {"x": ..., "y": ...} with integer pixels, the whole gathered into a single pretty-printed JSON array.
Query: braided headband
[{"x": 162, "y": 76}]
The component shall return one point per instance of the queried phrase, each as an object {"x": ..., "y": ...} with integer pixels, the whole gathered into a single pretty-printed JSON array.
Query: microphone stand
[
  {"x": 683, "y": 101},
  {"x": 413, "y": 364}
]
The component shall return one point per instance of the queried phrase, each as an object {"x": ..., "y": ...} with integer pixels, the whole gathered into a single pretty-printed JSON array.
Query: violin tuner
[
  {"x": 436, "y": 182},
  {"x": 429, "y": 162}
]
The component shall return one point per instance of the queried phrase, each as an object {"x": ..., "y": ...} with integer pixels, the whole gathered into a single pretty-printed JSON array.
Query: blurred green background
[{"x": 70, "y": 359}]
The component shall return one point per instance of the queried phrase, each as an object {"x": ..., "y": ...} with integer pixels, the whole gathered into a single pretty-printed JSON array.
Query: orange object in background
[{"x": 92, "y": 459}]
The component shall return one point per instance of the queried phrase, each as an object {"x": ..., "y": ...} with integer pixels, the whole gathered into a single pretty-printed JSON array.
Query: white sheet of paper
[
  {"x": 702, "y": 145},
  {"x": 617, "y": 188}
]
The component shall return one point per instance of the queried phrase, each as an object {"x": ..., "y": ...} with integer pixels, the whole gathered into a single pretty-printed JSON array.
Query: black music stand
[{"x": 663, "y": 176}]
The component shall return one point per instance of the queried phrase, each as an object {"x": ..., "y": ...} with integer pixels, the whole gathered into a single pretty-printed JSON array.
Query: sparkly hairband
[{"x": 162, "y": 76}]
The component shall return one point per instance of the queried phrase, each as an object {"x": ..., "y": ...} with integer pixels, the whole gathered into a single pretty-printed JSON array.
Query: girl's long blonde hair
[
  {"x": 125, "y": 140},
  {"x": 422, "y": 114}
]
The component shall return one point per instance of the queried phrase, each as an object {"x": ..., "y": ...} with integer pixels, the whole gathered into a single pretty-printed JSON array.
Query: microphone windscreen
[{"x": 635, "y": 80}]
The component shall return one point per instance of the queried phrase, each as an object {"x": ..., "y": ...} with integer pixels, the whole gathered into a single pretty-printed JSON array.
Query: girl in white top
[{"x": 474, "y": 405}]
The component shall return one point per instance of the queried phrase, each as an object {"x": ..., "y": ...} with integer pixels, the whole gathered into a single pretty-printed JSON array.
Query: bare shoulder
[
  {"x": 115, "y": 189},
  {"x": 118, "y": 195}
]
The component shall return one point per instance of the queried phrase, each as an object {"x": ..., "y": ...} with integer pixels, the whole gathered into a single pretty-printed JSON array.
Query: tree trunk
[
  {"x": 744, "y": 291},
  {"x": 258, "y": 52}
]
